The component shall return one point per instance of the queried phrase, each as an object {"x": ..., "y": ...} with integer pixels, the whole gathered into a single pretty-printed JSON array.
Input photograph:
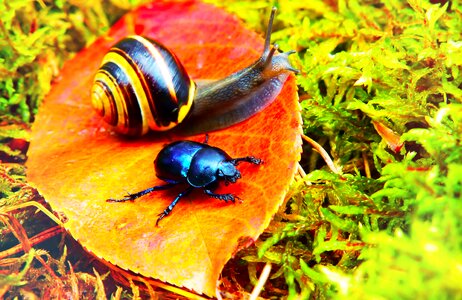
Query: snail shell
[{"x": 134, "y": 75}]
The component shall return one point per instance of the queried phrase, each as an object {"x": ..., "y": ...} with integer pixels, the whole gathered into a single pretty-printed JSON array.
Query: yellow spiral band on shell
[{"x": 140, "y": 86}]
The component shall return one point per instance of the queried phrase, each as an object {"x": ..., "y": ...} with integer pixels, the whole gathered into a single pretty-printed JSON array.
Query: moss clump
[
  {"x": 388, "y": 226},
  {"x": 35, "y": 38}
]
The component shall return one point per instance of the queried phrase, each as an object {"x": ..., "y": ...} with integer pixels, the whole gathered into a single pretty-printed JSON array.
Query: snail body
[{"x": 143, "y": 86}]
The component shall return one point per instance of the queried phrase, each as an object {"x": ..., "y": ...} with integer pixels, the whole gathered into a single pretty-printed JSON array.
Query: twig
[
  {"x": 37, "y": 239},
  {"x": 261, "y": 281},
  {"x": 37, "y": 205},
  {"x": 323, "y": 154},
  {"x": 367, "y": 168}
]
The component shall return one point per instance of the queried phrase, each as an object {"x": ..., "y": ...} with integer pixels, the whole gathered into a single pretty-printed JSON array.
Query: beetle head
[{"x": 227, "y": 171}]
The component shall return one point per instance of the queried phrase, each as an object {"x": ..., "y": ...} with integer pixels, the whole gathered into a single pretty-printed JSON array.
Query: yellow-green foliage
[
  {"x": 394, "y": 234},
  {"x": 35, "y": 38},
  {"x": 387, "y": 227}
]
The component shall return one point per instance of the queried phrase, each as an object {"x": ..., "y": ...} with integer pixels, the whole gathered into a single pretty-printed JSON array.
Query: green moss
[
  {"x": 35, "y": 38},
  {"x": 394, "y": 234},
  {"x": 388, "y": 226}
]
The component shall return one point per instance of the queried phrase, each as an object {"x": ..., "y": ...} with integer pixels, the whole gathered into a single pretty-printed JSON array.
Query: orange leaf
[
  {"x": 77, "y": 163},
  {"x": 392, "y": 138}
]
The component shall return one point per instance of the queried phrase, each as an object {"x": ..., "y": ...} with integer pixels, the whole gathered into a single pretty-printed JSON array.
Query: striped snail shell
[{"x": 143, "y": 86}]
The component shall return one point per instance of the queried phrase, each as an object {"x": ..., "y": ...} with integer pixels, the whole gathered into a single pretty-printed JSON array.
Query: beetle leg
[
  {"x": 131, "y": 197},
  {"x": 224, "y": 197},
  {"x": 172, "y": 205},
  {"x": 249, "y": 159},
  {"x": 206, "y": 139}
]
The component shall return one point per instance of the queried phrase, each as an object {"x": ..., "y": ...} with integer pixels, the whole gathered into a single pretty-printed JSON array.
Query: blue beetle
[{"x": 195, "y": 164}]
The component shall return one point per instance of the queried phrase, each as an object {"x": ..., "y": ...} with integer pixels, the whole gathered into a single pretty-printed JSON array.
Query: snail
[{"x": 143, "y": 86}]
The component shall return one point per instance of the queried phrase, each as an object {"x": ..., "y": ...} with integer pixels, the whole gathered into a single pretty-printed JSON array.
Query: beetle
[{"x": 197, "y": 165}]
